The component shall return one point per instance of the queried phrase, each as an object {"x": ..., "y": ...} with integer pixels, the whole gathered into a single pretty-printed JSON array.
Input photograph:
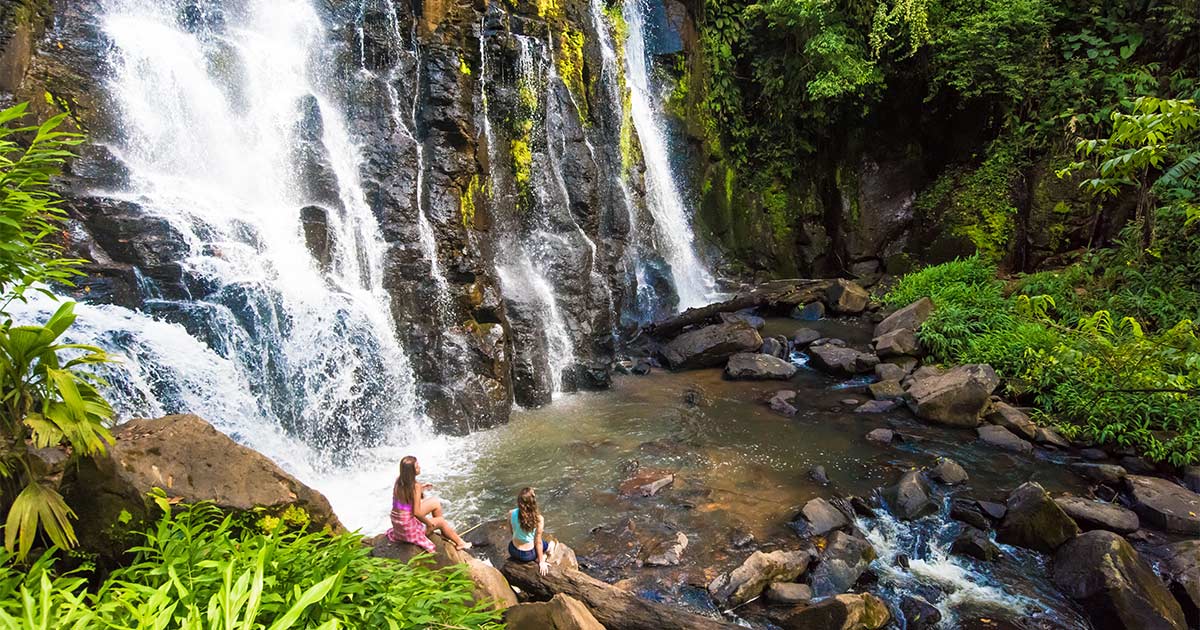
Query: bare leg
[{"x": 449, "y": 532}]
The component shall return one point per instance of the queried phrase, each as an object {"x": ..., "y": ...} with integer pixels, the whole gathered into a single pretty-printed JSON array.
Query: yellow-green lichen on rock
[
  {"x": 466, "y": 202},
  {"x": 569, "y": 63}
]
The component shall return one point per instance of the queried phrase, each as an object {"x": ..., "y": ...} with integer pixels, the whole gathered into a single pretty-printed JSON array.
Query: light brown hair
[
  {"x": 527, "y": 509},
  {"x": 404, "y": 490}
]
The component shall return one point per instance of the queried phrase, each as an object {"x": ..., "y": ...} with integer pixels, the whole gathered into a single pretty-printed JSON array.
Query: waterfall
[
  {"x": 226, "y": 115},
  {"x": 673, "y": 234}
]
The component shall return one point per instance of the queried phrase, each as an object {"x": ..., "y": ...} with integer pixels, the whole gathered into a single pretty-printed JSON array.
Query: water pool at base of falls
[{"x": 740, "y": 469}]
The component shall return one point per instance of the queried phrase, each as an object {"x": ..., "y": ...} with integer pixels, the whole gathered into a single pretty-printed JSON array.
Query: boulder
[
  {"x": 1051, "y": 438},
  {"x": 1165, "y": 505},
  {"x": 877, "y": 406},
  {"x": 976, "y": 544},
  {"x": 948, "y": 471},
  {"x": 1114, "y": 586},
  {"x": 562, "y": 612},
  {"x": 1191, "y": 478},
  {"x": 1181, "y": 569},
  {"x": 843, "y": 612},
  {"x": 882, "y": 435},
  {"x": 190, "y": 461},
  {"x": 646, "y": 482},
  {"x": 665, "y": 553},
  {"x": 919, "y": 373},
  {"x": 789, "y": 593},
  {"x": 782, "y": 402},
  {"x": 754, "y": 321},
  {"x": 910, "y": 317},
  {"x": 820, "y": 517},
  {"x": 758, "y": 367},
  {"x": 772, "y": 347},
  {"x": 711, "y": 346},
  {"x": 1091, "y": 515},
  {"x": 886, "y": 390},
  {"x": 1013, "y": 419},
  {"x": 804, "y": 336},
  {"x": 846, "y": 298},
  {"x": 919, "y": 614},
  {"x": 898, "y": 343},
  {"x": 842, "y": 361},
  {"x": 809, "y": 312},
  {"x": 969, "y": 512},
  {"x": 998, "y": 436},
  {"x": 956, "y": 398},
  {"x": 760, "y": 569},
  {"x": 843, "y": 561},
  {"x": 1035, "y": 521},
  {"x": 1110, "y": 474},
  {"x": 890, "y": 372},
  {"x": 910, "y": 498}
]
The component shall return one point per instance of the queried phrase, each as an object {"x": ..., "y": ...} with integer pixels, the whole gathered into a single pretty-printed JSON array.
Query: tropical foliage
[{"x": 199, "y": 568}]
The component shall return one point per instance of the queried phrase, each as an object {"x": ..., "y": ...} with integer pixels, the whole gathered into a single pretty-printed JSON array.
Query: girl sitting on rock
[
  {"x": 526, "y": 522},
  {"x": 413, "y": 516}
]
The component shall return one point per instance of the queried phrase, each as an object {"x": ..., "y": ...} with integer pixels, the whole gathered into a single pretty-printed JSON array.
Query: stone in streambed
[
  {"x": 846, "y": 298},
  {"x": 1051, "y": 439},
  {"x": 760, "y": 569},
  {"x": 976, "y": 544},
  {"x": 886, "y": 390},
  {"x": 843, "y": 561},
  {"x": 819, "y": 517},
  {"x": 1013, "y": 419},
  {"x": 842, "y": 361},
  {"x": 647, "y": 482},
  {"x": 711, "y": 346},
  {"x": 1165, "y": 505},
  {"x": 772, "y": 347},
  {"x": 1191, "y": 478},
  {"x": 805, "y": 336},
  {"x": 783, "y": 402},
  {"x": 958, "y": 397},
  {"x": 754, "y": 321},
  {"x": 910, "y": 317},
  {"x": 758, "y": 367},
  {"x": 843, "y": 612},
  {"x": 910, "y": 497},
  {"x": 969, "y": 512},
  {"x": 1110, "y": 474},
  {"x": 665, "y": 553},
  {"x": 809, "y": 312},
  {"x": 948, "y": 471},
  {"x": 902, "y": 342},
  {"x": 877, "y": 406},
  {"x": 562, "y": 612},
  {"x": 919, "y": 614},
  {"x": 789, "y": 593},
  {"x": 998, "y": 436},
  {"x": 1181, "y": 570},
  {"x": 1035, "y": 521},
  {"x": 1091, "y": 515},
  {"x": 882, "y": 436},
  {"x": 1114, "y": 585},
  {"x": 890, "y": 372}
]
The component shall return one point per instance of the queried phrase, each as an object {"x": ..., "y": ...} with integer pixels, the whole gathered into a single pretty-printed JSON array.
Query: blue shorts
[{"x": 526, "y": 556}]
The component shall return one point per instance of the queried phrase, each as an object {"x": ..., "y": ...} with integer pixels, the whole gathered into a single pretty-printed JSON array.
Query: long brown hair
[
  {"x": 527, "y": 509},
  {"x": 402, "y": 492}
]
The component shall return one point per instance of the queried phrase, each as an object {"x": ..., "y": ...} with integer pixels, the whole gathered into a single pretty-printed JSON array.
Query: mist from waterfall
[
  {"x": 673, "y": 235},
  {"x": 212, "y": 107}
]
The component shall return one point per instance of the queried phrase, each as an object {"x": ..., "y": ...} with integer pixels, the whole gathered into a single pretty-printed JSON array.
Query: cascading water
[
  {"x": 297, "y": 358},
  {"x": 673, "y": 234}
]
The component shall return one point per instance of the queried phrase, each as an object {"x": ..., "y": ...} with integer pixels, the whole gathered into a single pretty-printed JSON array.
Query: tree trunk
[
  {"x": 613, "y": 607},
  {"x": 787, "y": 293}
]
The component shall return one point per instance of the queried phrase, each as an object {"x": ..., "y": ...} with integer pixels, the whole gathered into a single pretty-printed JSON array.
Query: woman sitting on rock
[
  {"x": 528, "y": 543},
  {"x": 413, "y": 516}
]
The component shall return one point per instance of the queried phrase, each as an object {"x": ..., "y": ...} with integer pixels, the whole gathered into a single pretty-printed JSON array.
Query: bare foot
[{"x": 464, "y": 546}]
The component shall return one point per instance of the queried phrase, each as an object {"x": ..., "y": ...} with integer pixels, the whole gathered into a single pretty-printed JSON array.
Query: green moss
[
  {"x": 466, "y": 203},
  {"x": 522, "y": 160},
  {"x": 777, "y": 204},
  {"x": 976, "y": 203},
  {"x": 463, "y": 67},
  {"x": 569, "y": 63},
  {"x": 549, "y": 9}
]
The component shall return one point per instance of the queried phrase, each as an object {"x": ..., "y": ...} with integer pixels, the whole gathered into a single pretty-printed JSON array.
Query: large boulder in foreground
[
  {"x": 910, "y": 317},
  {"x": 1112, "y": 583},
  {"x": 1035, "y": 521},
  {"x": 745, "y": 366},
  {"x": 562, "y": 612},
  {"x": 711, "y": 346},
  {"x": 191, "y": 461},
  {"x": 490, "y": 585},
  {"x": 1165, "y": 505},
  {"x": 958, "y": 397},
  {"x": 842, "y": 612},
  {"x": 759, "y": 570}
]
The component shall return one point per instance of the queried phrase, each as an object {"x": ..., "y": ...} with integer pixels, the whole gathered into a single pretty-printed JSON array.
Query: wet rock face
[
  {"x": 711, "y": 345},
  {"x": 758, "y": 571},
  {"x": 1035, "y": 521},
  {"x": 1165, "y": 505},
  {"x": 958, "y": 397},
  {"x": 758, "y": 367},
  {"x": 1114, "y": 585},
  {"x": 843, "y": 561}
]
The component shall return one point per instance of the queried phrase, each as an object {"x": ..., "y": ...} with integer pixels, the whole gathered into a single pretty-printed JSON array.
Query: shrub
[{"x": 200, "y": 568}]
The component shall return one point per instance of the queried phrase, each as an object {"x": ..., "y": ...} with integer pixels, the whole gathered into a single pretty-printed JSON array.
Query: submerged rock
[
  {"x": 1091, "y": 515},
  {"x": 881, "y": 435},
  {"x": 1112, "y": 583},
  {"x": 843, "y": 561},
  {"x": 758, "y": 367},
  {"x": 1165, "y": 505},
  {"x": 1035, "y": 521},
  {"x": 711, "y": 346},
  {"x": 782, "y": 402},
  {"x": 956, "y": 398},
  {"x": 665, "y": 553},
  {"x": 760, "y": 569},
  {"x": 647, "y": 482},
  {"x": 843, "y": 612}
]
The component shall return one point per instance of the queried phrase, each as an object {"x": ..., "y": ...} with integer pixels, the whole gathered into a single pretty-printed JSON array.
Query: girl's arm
[{"x": 537, "y": 545}]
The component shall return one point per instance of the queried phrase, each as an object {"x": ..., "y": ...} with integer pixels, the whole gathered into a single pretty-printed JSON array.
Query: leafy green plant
[{"x": 198, "y": 568}]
